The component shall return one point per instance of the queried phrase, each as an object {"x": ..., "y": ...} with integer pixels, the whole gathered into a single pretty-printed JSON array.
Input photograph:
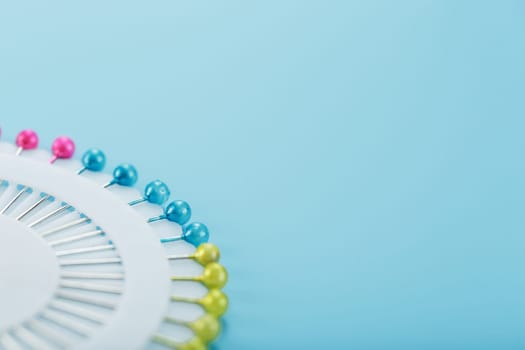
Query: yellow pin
[
  {"x": 213, "y": 276},
  {"x": 204, "y": 254},
  {"x": 207, "y": 327},
  {"x": 215, "y": 302}
]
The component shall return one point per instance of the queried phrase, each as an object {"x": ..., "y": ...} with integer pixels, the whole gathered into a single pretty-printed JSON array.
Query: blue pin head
[
  {"x": 125, "y": 175},
  {"x": 196, "y": 233},
  {"x": 178, "y": 211},
  {"x": 156, "y": 192},
  {"x": 94, "y": 160}
]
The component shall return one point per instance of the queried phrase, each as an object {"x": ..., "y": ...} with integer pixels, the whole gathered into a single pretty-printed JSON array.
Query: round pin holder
[{"x": 89, "y": 262}]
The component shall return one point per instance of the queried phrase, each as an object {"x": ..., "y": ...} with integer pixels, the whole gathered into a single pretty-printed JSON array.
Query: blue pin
[
  {"x": 195, "y": 233},
  {"x": 176, "y": 211},
  {"x": 93, "y": 160},
  {"x": 124, "y": 175},
  {"x": 156, "y": 192}
]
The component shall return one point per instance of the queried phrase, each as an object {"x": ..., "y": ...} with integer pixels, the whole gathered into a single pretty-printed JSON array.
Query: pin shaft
[
  {"x": 75, "y": 238},
  {"x": 7, "y": 341},
  {"x": 110, "y": 183},
  {"x": 77, "y": 311},
  {"x": 171, "y": 239},
  {"x": 91, "y": 287},
  {"x": 33, "y": 207},
  {"x": 66, "y": 323},
  {"x": 173, "y": 320},
  {"x": 50, "y": 215},
  {"x": 100, "y": 261},
  {"x": 156, "y": 218},
  {"x": 186, "y": 278},
  {"x": 180, "y": 257},
  {"x": 45, "y": 331},
  {"x": 30, "y": 339},
  {"x": 65, "y": 226},
  {"x": 92, "y": 275},
  {"x": 96, "y": 248},
  {"x": 137, "y": 201},
  {"x": 183, "y": 299},
  {"x": 165, "y": 341},
  {"x": 86, "y": 300},
  {"x": 12, "y": 201}
]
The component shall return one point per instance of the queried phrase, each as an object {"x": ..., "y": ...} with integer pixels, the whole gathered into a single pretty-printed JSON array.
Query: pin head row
[
  {"x": 156, "y": 192},
  {"x": 63, "y": 147}
]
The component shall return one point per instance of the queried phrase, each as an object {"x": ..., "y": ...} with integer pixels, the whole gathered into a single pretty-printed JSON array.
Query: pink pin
[
  {"x": 26, "y": 140},
  {"x": 63, "y": 148}
]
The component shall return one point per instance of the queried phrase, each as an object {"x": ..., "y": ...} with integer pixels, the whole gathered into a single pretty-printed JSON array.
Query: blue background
[{"x": 360, "y": 163}]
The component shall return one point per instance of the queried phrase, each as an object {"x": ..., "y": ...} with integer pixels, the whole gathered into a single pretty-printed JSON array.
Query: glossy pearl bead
[
  {"x": 26, "y": 140},
  {"x": 124, "y": 175},
  {"x": 179, "y": 212},
  {"x": 157, "y": 192},
  {"x": 94, "y": 160},
  {"x": 206, "y": 327},
  {"x": 215, "y": 302},
  {"x": 196, "y": 233},
  {"x": 214, "y": 276},
  {"x": 62, "y": 148},
  {"x": 207, "y": 253}
]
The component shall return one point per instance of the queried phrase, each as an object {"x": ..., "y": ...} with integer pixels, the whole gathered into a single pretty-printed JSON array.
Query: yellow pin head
[
  {"x": 214, "y": 276},
  {"x": 207, "y": 328},
  {"x": 207, "y": 253},
  {"x": 215, "y": 302}
]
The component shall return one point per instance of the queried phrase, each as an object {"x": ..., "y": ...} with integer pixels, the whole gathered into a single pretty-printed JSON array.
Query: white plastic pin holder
[{"x": 88, "y": 262}]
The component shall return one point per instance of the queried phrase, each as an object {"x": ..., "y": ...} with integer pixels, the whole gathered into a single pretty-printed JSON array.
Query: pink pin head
[
  {"x": 63, "y": 147},
  {"x": 27, "y": 139}
]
